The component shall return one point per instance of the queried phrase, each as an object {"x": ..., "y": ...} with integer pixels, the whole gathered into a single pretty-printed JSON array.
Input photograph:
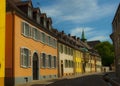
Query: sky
[{"x": 72, "y": 16}]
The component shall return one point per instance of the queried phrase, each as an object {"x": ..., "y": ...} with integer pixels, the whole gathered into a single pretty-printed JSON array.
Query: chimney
[
  {"x": 62, "y": 32},
  {"x": 69, "y": 35},
  {"x": 74, "y": 37},
  {"x": 78, "y": 38}
]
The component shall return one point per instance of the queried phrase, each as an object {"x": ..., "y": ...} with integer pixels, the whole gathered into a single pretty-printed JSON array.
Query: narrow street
[{"x": 90, "y": 80}]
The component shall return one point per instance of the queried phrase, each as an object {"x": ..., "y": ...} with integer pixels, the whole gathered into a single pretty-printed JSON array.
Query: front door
[
  {"x": 61, "y": 68},
  {"x": 35, "y": 67}
]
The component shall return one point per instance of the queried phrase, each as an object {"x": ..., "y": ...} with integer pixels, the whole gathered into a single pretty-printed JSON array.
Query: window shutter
[
  {"x": 21, "y": 56},
  {"x": 30, "y": 32},
  {"x": 22, "y": 28},
  {"x": 29, "y": 59},
  {"x": 38, "y": 35},
  {"x": 46, "y": 62},
  {"x": 41, "y": 60},
  {"x": 33, "y": 33},
  {"x": 55, "y": 61},
  {"x": 52, "y": 59}
]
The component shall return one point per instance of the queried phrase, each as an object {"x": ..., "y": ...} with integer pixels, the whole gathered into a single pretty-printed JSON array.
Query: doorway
[
  {"x": 61, "y": 68},
  {"x": 35, "y": 67}
]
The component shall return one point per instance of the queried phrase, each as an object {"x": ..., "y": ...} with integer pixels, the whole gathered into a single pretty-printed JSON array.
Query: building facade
[
  {"x": 78, "y": 62},
  {"x": 34, "y": 50},
  {"x": 65, "y": 55},
  {"x": 115, "y": 36},
  {"x": 2, "y": 42},
  {"x": 31, "y": 47}
]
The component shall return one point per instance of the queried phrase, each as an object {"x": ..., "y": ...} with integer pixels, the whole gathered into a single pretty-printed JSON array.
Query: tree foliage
[{"x": 106, "y": 51}]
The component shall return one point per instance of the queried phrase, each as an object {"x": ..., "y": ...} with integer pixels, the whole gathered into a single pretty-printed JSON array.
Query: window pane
[
  {"x": 29, "y": 12},
  {"x": 26, "y": 30},
  {"x": 54, "y": 62},
  {"x": 38, "y": 18},
  {"x": 25, "y": 57},
  {"x": 44, "y": 60},
  {"x": 43, "y": 37},
  {"x": 49, "y": 39},
  {"x": 49, "y": 61}
]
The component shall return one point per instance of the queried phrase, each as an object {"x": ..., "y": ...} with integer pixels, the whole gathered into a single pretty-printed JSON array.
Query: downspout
[{"x": 13, "y": 46}]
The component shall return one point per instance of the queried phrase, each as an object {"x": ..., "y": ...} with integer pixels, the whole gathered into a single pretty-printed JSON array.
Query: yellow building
[
  {"x": 2, "y": 41},
  {"x": 78, "y": 59}
]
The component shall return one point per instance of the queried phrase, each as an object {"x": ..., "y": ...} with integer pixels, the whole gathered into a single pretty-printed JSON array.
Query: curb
[{"x": 110, "y": 80}]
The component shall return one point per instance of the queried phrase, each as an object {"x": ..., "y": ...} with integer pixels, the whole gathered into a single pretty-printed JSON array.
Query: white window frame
[
  {"x": 22, "y": 57},
  {"x": 30, "y": 12},
  {"x": 24, "y": 28}
]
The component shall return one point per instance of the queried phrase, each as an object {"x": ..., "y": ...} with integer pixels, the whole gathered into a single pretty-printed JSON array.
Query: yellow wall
[
  {"x": 2, "y": 41},
  {"x": 78, "y": 61}
]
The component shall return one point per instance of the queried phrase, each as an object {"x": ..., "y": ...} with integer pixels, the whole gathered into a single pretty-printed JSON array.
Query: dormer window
[
  {"x": 30, "y": 12},
  {"x": 44, "y": 22},
  {"x": 49, "y": 25},
  {"x": 38, "y": 18}
]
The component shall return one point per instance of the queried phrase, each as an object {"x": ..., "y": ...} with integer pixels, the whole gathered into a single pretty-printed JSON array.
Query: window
[
  {"x": 65, "y": 49},
  {"x": 38, "y": 18},
  {"x": 54, "y": 65},
  {"x": 44, "y": 22},
  {"x": 66, "y": 63},
  {"x": 30, "y": 12},
  {"x": 43, "y": 60},
  {"x": 69, "y": 63},
  {"x": 43, "y": 37},
  {"x": 26, "y": 30},
  {"x": 46, "y": 39},
  {"x": 49, "y": 61},
  {"x": 50, "y": 26},
  {"x": 61, "y": 48},
  {"x": 49, "y": 40},
  {"x": 39, "y": 35},
  {"x": 35, "y": 33},
  {"x": 25, "y": 57},
  {"x": 54, "y": 43},
  {"x": 71, "y": 52}
]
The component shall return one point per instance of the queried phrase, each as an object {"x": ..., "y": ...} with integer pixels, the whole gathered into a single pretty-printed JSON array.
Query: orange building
[{"x": 31, "y": 46}]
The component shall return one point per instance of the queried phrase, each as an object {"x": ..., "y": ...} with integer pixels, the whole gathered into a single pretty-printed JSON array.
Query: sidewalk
[
  {"x": 112, "y": 79},
  {"x": 45, "y": 82}
]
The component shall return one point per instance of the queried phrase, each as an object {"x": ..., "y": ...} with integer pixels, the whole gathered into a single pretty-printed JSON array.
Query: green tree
[{"x": 106, "y": 51}]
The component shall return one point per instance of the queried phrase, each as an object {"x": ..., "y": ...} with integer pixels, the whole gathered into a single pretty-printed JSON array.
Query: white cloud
[
  {"x": 77, "y": 11},
  {"x": 90, "y": 33},
  {"x": 77, "y": 31},
  {"x": 102, "y": 38},
  {"x": 73, "y": 12}
]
